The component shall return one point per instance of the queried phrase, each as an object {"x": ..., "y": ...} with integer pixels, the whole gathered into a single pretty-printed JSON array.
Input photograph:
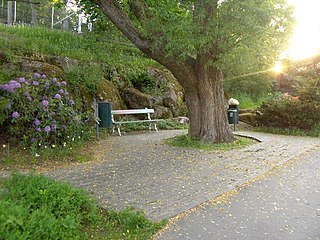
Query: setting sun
[
  {"x": 277, "y": 67},
  {"x": 305, "y": 41}
]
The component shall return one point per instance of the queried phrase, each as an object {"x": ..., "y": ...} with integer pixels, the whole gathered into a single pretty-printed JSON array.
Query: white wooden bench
[{"x": 147, "y": 111}]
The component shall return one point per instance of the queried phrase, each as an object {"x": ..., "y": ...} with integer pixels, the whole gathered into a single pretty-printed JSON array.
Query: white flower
[
  {"x": 3, "y": 145},
  {"x": 53, "y": 145},
  {"x": 64, "y": 144},
  {"x": 72, "y": 139},
  {"x": 37, "y": 155}
]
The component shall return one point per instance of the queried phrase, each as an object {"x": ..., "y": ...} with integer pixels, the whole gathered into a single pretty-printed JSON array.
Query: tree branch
[
  {"x": 140, "y": 9},
  {"x": 120, "y": 19}
]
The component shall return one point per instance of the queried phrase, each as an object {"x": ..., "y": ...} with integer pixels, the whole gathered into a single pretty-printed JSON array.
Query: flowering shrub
[
  {"x": 41, "y": 113},
  {"x": 286, "y": 111}
]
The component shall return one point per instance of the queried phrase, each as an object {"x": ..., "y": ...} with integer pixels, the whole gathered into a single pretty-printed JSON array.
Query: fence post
[{"x": 9, "y": 13}]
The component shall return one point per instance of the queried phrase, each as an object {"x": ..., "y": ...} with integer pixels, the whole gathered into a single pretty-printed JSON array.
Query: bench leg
[
  {"x": 155, "y": 127},
  {"x": 119, "y": 132}
]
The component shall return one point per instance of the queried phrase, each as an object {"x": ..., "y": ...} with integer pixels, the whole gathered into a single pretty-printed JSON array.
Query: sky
[{"x": 305, "y": 41}]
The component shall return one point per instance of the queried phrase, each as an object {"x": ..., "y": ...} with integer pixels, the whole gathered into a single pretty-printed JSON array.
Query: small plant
[
  {"x": 146, "y": 83},
  {"x": 41, "y": 113}
]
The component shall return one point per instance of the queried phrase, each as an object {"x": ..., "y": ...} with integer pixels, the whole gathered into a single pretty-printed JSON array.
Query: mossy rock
[{"x": 107, "y": 91}]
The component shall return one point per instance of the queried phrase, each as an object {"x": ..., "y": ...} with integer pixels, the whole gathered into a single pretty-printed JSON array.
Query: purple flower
[
  {"x": 54, "y": 127},
  {"x": 4, "y": 87},
  {"x": 36, "y": 122},
  {"x": 32, "y": 140},
  {"x": 53, "y": 113},
  {"x": 47, "y": 85},
  {"x": 71, "y": 102},
  {"x": 57, "y": 96},
  {"x": 45, "y": 102},
  {"x": 37, "y": 75},
  {"x": 61, "y": 91},
  {"x": 22, "y": 80},
  {"x": 44, "y": 76},
  {"x": 64, "y": 127},
  {"x": 47, "y": 128},
  {"x": 54, "y": 80},
  {"x": 35, "y": 83},
  {"x": 58, "y": 84},
  {"x": 63, "y": 83},
  {"x": 38, "y": 129},
  {"x": 15, "y": 115},
  {"x": 66, "y": 93},
  {"x": 29, "y": 98}
]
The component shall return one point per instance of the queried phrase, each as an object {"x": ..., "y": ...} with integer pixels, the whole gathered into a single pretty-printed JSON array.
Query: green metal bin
[{"x": 104, "y": 114}]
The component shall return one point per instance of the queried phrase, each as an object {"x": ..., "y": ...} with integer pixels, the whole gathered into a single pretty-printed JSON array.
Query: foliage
[
  {"x": 41, "y": 113},
  {"x": 248, "y": 101},
  {"x": 256, "y": 85},
  {"x": 168, "y": 124},
  {"x": 286, "y": 111},
  {"x": 19, "y": 40},
  {"x": 301, "y": 112},
  {"x": 130, "y": 224},
  {"x": 36, "y": 207},
  {"x": 315, "y": 132},
  {"x": 188, "y": 142},
  {"x": 185, "y": 29},
  {"x": 87, "y": 76},
  {"x": 146, "y": 83}
]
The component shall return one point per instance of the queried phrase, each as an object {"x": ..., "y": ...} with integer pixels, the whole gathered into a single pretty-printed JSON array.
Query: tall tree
[{"x": 195, "y": 40}]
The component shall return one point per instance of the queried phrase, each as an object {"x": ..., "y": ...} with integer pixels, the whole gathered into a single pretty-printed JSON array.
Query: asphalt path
[{"x": 282, "y": 204}]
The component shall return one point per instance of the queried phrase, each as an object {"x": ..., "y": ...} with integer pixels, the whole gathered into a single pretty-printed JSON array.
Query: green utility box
[{"x": 104, "y": 114}]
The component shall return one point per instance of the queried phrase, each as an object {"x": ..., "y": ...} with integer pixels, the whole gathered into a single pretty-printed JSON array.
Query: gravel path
[{"x": 140, "y": 170}]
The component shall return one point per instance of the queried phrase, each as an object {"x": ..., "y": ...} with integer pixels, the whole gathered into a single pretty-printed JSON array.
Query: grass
[
  {"x": 248, "y": 101},
  {"x": 188, "y": 142},
  {"x": 19, "y": 40},
  {"x": 165, "y": 124},
  {"x": 36, "y": 207},
  {"x": 289, "y": 131},
  {"x": 15, "y": 157}
]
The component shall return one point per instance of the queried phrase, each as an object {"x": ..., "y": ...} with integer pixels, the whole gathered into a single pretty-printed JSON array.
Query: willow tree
[{"x": 194, "y": 39}]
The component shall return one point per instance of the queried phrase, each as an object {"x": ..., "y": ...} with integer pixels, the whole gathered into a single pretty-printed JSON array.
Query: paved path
[
  {"x": 163, "y": 181},
  {"x": 285, "y": 205}
]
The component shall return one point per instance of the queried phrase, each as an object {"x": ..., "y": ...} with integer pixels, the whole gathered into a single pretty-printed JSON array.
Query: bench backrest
[{"x": 132, "y": 111}]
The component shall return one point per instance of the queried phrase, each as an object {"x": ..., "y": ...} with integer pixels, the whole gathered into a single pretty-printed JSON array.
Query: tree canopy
[{"x": 200, "y": 40}]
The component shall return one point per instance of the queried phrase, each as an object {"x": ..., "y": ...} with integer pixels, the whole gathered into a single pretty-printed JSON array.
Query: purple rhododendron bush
[{"x": 40, "y": 112}]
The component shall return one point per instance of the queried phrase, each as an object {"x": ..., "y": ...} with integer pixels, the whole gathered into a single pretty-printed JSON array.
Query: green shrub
[
  {"x": 36, "y": 207},
  {"x": 146, "y": 83},
  {"x": 289, "y": 112},
  {"x": 41, "y": 113}
]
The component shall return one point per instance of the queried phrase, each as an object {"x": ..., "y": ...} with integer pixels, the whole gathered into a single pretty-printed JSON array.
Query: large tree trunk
[{"x": 207, "y": 107}]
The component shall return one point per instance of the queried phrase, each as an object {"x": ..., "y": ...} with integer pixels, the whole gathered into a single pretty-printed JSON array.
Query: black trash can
[
  {"x": 104, "y": 114},
  {"x": 233, "y": 114}
]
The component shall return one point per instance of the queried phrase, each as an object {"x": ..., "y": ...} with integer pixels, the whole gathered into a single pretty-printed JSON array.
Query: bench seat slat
[{"x": 132, "y": 111}]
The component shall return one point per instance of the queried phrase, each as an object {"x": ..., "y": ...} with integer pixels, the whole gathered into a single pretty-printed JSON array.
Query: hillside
[{"x": 103, "y": 70}]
